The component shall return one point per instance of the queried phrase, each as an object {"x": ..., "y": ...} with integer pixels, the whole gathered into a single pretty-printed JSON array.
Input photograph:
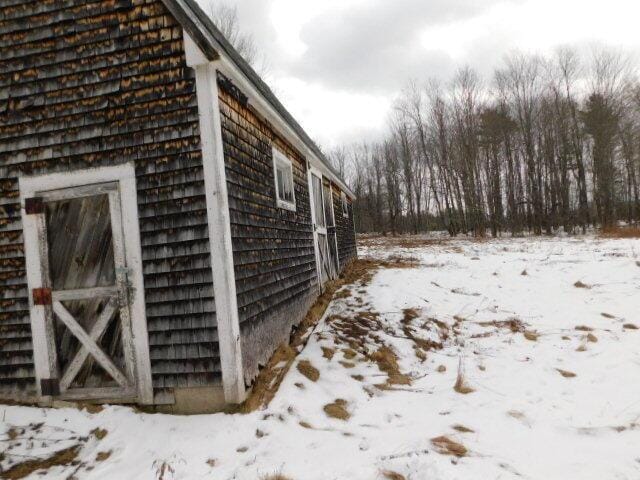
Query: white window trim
[
  {"x": 281, "y": 159},
  {"x": 345, "y": 205}
]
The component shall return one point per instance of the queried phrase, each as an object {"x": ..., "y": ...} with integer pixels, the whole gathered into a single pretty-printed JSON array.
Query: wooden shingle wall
[
  {"x": 273, "y": 248},
  {"x": 87, "y": 83},
  {"x": 345, "y": 232}
]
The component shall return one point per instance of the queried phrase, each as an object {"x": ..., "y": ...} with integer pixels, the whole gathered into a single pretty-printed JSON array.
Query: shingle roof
[{"x": 210, "y": 40}]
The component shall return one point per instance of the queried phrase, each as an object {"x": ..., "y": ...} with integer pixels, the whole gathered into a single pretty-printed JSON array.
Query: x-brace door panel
[{"x": 86, "y": 293}]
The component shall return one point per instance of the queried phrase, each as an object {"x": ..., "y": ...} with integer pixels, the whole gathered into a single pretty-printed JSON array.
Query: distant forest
[{"x": 548, "y": 143}]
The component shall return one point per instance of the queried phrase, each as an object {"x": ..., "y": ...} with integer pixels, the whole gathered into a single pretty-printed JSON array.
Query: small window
[
  {"x": 283, "y": 174},
  {"x": 345, "y": 205}
]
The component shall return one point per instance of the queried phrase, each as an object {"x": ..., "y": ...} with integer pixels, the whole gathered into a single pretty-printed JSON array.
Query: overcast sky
[{"x": 337, "y": 65}]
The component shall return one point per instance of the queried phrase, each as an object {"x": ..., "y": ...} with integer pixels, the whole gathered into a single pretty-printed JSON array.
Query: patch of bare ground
[
  {"x": 580, "y": 284},
  {"x": 65, "y": 457},
  {"x": 630, "y": 326},
  {"x": 608, "y": 315},
  {"x": 620, "y": 232},
  {"x": 337, "y": 409},
  {"x": 445, "y": 446},
  {"x": 308, "y": 370},
  {"x": 531, "y": 335}
]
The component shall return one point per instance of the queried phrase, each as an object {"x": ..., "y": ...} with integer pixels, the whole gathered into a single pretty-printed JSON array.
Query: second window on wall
[{"x": 283, "y": 175}]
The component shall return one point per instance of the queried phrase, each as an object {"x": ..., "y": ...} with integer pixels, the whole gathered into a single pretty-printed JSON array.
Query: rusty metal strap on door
[{"x": 42, "y": 296}]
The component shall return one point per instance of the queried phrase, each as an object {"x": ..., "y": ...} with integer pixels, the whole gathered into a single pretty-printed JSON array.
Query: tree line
[{"x": 549, "y": 143}]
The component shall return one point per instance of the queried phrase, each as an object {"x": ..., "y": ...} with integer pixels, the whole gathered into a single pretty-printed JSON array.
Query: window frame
[
  {"x": 282, "y": 161},
  {"x": 345, "y": 205}
]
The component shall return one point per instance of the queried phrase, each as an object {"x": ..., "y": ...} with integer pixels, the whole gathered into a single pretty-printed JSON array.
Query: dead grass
[
  {"x": 387, "y": 361},
  {"x": 580, "y": 284},
  {"x": 462, "y": 429},
  {"x": 583, "y": 328},
  {"x": 514, "y": 324},
  {"x": 592, "y": 338},
  {"x": 566, "y": 373},
  {"x": 57, "y": 459},
  {"x": 607, "y": 315},
  {"x": 531, "y": 335},
  {"x": 409, "y": 314},
  {"x": 461, "y": 384},
  {"x": 328, "y": 353},
  {"x": 99, "y": 433},
  {"x": 349, "y": 354},
  {"x": 102, "y": 456},
  {"x": 268, "y": 381},
  {"x": 620, "y": 232},
  {"x": 391, "y": 475},
  {"x": 308, "y": 370},
  {"x": 337, "y": 410},
  {"x": 445, "y": 446},
  {"x": 275, "y": 476}
]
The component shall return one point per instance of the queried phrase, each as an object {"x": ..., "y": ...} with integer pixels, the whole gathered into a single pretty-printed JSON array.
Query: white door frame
[
  {"x": 317, "y": 231},
  {"x": 44, "y": 349}
]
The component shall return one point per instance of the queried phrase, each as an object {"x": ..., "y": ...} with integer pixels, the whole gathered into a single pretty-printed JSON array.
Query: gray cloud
[{"x": 376, "y": 45}]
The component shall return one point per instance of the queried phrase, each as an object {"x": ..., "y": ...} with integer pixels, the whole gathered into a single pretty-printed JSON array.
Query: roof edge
[{"x": 212, "y": 42}]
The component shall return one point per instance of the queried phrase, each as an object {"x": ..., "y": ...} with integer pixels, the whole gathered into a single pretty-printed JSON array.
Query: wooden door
[
  {"x": 85, "y": 294},
  {"x": 332, "y": 239},
  {"x": 320, "y": 227}
]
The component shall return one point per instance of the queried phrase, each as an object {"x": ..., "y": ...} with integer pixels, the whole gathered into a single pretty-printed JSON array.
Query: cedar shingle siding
[
  {"x": 273, "y": 248},
  {"x": 91, "y": 83},
  {"x": 94, "y": 83},
  {"x": 345, "y": 232}
]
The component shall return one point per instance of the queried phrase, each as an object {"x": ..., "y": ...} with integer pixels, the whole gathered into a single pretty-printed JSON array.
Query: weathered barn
[{"x": 164, "y": 221}]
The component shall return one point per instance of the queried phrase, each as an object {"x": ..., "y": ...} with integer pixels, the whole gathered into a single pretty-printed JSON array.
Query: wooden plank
[
  {"x": 105, "y": 394},
  {"x": 96, "y": 332},
  {"x": 84, "y": 293},
  {"x": 122, "y": 284},
  {"x": 102, "y": 358}
]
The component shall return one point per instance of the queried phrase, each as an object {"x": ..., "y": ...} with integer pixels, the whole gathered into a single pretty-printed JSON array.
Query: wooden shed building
[{"x": 164, "y": 221}]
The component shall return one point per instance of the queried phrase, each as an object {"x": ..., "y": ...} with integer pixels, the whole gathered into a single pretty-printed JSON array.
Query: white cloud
[
  {"x": 331, "y": 116},
  {"x": 338, "y": 64}
]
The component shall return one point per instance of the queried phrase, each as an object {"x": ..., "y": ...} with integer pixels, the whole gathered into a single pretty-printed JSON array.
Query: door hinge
[
  {"x": 50, "y": 387},
  {"x": 33, "y": 206},
  {"x": 41, "y": 296}
]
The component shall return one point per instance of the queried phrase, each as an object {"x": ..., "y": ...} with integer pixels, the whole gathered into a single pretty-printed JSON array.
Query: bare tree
[
  {"x": 543, "y": 148},
  {"x": 225, "y": 17}
]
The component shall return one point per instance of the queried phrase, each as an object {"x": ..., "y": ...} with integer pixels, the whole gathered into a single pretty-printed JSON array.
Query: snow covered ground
[{"x": 538, "y": 336}]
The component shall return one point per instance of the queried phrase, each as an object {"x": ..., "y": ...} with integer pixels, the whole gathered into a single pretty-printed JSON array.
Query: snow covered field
[{"x": 499, "y": 359}]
